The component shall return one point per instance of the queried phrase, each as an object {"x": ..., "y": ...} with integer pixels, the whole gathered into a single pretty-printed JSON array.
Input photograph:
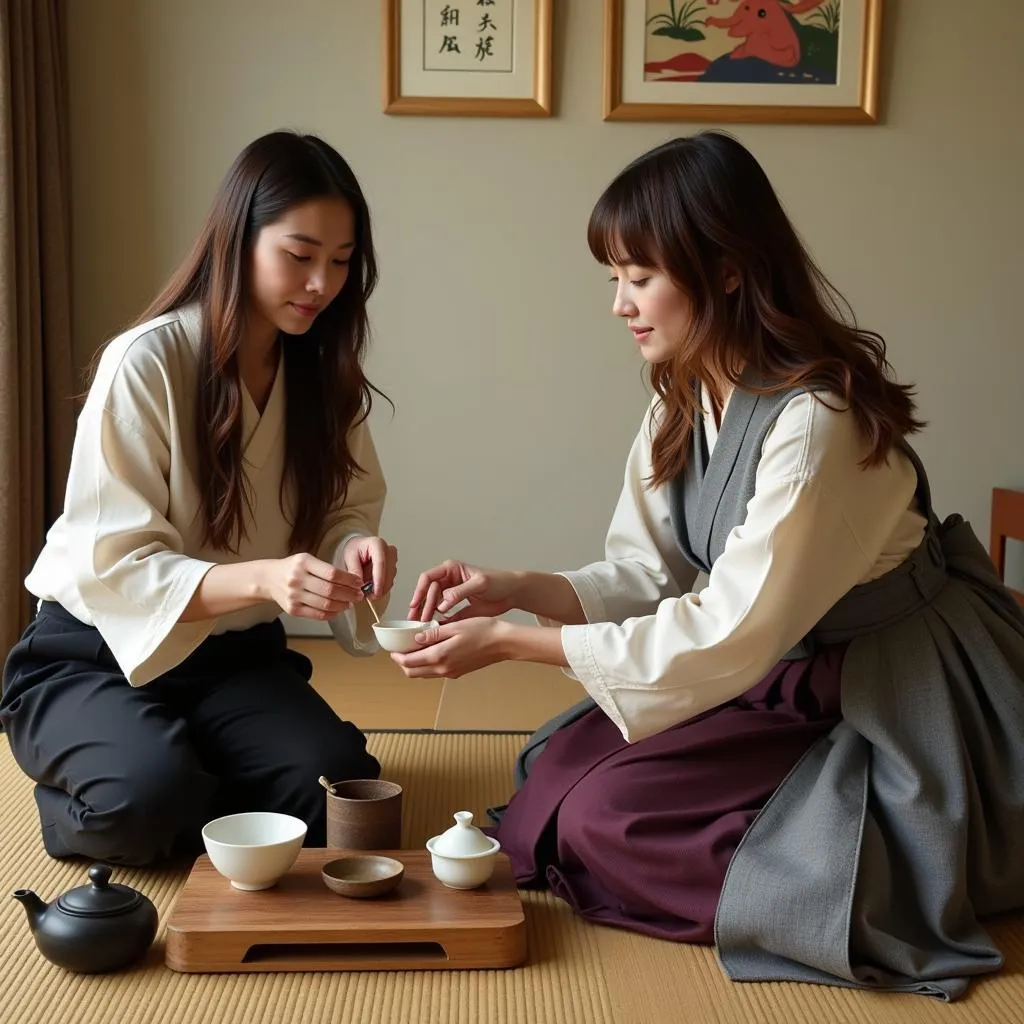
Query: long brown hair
[
  {"x": 327, "y": 392},
  {"x": 699, "y": 208}
]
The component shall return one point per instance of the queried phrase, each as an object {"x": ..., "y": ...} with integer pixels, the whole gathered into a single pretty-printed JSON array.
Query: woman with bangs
[
  {"x": 223, "y": 472},
  {"x": 816, "y": 758}
]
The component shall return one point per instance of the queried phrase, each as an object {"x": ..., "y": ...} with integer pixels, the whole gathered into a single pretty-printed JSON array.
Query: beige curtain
[{"x": 36, "y": 364}]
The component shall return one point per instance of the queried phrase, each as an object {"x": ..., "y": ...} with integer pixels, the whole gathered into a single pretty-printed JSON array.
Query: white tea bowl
[
  {"x": 254, "y": 849},
  {"x": 399, "y": 635}
]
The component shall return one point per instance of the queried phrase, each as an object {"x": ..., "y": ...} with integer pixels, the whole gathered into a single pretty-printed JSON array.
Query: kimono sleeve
[
  {"x": 815, "y": 526},
  {"x": 127, "y": 558}
]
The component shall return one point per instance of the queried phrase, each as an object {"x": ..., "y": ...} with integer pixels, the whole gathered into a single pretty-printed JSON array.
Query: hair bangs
[{"x": 620, "y": 232}]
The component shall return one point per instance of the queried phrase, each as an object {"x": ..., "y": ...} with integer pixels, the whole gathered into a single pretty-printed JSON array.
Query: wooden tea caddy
[{"x": 300, "y": 925}]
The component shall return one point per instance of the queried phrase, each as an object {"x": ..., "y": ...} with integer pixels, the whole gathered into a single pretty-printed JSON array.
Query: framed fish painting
[{"x": 812, "y": 61}]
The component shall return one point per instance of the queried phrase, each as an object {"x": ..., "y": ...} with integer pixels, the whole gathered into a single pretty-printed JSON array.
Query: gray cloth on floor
[{"x": 873, "y": 861}]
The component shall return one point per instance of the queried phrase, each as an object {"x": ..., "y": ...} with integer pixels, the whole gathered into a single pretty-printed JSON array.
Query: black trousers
[{"x": 130, "y": 774}]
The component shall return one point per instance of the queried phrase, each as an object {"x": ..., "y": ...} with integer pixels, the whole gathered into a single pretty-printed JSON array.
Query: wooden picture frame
[
  {"x": 767, "y": 61},
  {"x": 494, "y": 58}
]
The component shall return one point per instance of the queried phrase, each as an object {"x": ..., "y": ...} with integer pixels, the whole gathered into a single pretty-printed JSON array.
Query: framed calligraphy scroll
[
  {"x": 791, "y": 61},
  {"x": 473, "y": 58}
]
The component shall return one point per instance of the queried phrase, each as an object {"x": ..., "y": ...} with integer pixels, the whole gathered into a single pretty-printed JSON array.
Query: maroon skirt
[{"x": 639, "y": 835}]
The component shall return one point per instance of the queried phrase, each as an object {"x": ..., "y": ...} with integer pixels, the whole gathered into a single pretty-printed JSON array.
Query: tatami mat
[
  {"x": 576, "y": 972},
  {"x": 375, "y": 694},
  {"x": 372, "y": 692},
  {"x": 510, "y": 695}
]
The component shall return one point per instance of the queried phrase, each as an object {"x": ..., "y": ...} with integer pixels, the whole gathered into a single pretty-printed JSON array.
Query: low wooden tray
[{"x": 300, "y": 925}]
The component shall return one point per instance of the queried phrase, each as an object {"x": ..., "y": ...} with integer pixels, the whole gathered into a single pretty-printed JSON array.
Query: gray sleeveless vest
[
  {"x": 908, "y": 819},
  {"x": 709, "y": 498}
]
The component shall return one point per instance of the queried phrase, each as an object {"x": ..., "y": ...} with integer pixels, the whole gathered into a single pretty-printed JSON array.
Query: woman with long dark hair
[
  {"x": 851, "y": 674},
  {"x": 223, "y": 472}
]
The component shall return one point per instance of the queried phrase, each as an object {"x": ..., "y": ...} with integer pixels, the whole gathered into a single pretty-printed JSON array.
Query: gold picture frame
[
  {"x": 695, "y": 85},
  {"x": 419, "y": 81}
]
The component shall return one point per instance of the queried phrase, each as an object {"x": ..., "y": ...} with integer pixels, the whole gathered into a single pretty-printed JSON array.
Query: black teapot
[{"x": 96, "y": 927}]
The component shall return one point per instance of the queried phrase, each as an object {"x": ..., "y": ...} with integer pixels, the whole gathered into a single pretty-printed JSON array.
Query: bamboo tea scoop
[{"x": 368, "y": 589}]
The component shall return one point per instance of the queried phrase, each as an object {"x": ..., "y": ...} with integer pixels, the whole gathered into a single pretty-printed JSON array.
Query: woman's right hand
[
  {"x": 308, "y": 587},
  {"x": 490, "y": 592}
]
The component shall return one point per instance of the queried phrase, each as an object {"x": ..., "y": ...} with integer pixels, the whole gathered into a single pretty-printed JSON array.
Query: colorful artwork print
[{"x": 753, "y": 42}]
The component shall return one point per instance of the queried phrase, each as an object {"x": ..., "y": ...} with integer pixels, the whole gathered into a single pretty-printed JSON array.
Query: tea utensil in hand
[{"x": 367, "y": 590}]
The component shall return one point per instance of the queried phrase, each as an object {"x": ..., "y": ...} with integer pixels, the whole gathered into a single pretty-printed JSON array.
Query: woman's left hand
[
  {"x": 454, "y": 648},
  {"x": 372, "y": 558}
]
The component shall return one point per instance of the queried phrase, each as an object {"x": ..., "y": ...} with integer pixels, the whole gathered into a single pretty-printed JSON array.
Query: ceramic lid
[
  {"x": 99, "y": 899},
  {"x": 463, "y": 839}
]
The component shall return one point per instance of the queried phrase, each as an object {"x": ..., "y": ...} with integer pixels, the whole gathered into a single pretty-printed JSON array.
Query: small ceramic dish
[{"x": 362, "y": 875}]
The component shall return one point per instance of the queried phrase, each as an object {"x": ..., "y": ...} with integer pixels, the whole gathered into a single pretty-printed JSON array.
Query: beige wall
[{"x": 517, "y": 393}]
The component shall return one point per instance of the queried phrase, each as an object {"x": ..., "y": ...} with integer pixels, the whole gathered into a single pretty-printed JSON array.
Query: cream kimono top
[
  {"x": 655, "y": 652},
  {"x": 127, "y": 553}
]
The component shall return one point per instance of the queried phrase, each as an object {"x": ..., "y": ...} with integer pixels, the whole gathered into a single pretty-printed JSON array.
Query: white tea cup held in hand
[{"x": 399, "y": 635}]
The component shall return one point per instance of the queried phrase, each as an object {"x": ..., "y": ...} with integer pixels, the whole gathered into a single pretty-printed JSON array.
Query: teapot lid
[
  {"x": 99, "y": 898},
  {"x": 463, "y": 839}
]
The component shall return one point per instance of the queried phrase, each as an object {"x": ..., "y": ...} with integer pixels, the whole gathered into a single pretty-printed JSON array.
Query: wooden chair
[{"x": 1007, "y": 522}]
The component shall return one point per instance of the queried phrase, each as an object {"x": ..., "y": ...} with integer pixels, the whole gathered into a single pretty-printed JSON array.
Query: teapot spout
[{"x": 34, "y": 906}]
